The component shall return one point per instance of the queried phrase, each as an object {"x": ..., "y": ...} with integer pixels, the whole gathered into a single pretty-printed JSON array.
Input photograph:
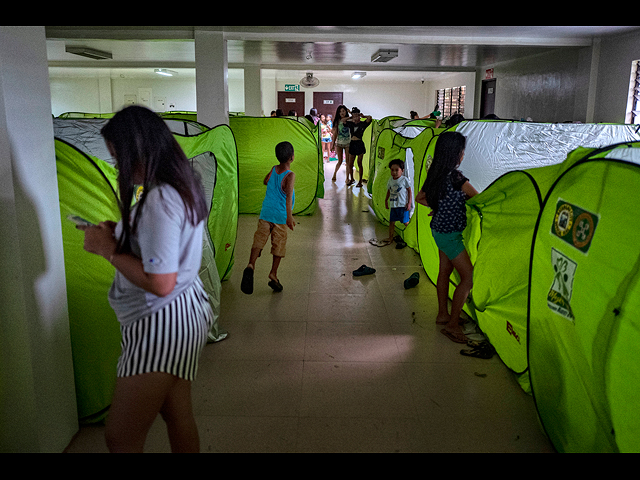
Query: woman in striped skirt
[{"x": 157, "y": 294}]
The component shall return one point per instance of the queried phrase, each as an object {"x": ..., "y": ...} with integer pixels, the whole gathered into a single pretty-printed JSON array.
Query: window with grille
[
  {"x": 633, "y": 105},
  {"x": 451, "y": 100}
]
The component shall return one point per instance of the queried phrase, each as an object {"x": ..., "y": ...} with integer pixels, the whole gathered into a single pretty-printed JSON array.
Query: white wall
[
  {"x": 86, "y": 92},
  {"x": 616, "y": 55},
  {"x": 376, "y": 98}
]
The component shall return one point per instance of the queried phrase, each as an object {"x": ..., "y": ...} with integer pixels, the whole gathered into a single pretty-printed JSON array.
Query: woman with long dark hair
[
  {"x": 340, "y": 138},
  {"x": 157, "y": 294},
  {"x": 445, "y": 191}
]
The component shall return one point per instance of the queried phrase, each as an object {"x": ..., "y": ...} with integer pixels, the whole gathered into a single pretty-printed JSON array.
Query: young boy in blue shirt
[
  {"x": 276, "y": 215},
  {"x": 399, "y": 197}
]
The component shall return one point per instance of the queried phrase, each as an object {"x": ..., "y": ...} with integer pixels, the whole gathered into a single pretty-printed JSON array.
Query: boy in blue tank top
[{"x": 276, "y": 215}]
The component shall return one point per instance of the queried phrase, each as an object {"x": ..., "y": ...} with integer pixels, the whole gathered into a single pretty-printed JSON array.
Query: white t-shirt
[
  {"x": 399, "y": 191},
  {"x": 166, "y": 242}
]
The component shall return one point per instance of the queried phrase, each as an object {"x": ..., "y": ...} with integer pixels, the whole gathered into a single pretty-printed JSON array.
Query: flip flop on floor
[
  {"x": 275, "y": 285},
  {"x": 247, "y": 281},
  {"x": 454, "y": 336},
  {"x": 379, "y": 243},
  {"x": 484, "y": 350},
  {"x": 363, "y": 270},
  {"x": 412, "y": 281}
]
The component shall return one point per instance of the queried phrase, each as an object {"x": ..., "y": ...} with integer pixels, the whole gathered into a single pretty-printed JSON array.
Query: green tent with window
[
  {"x": 87, "y": 187},
  {"x": 256, "y": 138}
]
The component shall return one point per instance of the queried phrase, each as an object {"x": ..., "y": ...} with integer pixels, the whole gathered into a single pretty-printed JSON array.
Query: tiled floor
[{"x": 337, "y": 363}]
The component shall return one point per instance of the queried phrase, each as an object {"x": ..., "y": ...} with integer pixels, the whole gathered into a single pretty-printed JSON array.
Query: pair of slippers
[
  {"x": 479, "y": 350},
  {"x": 246, "y": 286}
]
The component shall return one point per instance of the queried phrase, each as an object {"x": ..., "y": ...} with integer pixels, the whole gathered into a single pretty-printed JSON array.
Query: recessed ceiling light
[
  {"x": 356, "y": 75},
  {"x": 165, "y": 72}
]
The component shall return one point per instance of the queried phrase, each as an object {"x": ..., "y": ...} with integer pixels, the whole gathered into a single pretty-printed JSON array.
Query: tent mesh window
[{"x": 451, "y": 100}]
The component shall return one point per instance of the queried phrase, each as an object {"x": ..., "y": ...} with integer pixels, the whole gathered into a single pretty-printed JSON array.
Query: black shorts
[{"x": 356, "y": 147}]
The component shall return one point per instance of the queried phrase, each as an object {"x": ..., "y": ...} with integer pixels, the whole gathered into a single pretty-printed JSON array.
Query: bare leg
[
  {"x": 462, "y": 264},
  {"x": 137, "y": 400},
  {"x": 360, "y": 170},
  {"x": 350, "y": 159},
  {"x": 273, "y": 275},
  {"x": 442, "y": 287},
  {"x": 392, "y": 231},
  {"x": 340, "y": 152},
  {"x": 255, "y": 253},
  {"x": 177, "y": 413}
]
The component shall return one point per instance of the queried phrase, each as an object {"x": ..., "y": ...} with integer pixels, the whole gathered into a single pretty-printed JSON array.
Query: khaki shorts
[{"x": 278, "y": 235}]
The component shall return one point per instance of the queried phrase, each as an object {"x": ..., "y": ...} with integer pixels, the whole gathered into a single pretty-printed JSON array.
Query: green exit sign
[{"x": 292, "y": 88}]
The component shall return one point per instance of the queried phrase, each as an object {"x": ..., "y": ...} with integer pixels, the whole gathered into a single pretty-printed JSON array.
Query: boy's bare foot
[
  {"x": 274, "y": 283},
  {"x": 443, "y": 319}
]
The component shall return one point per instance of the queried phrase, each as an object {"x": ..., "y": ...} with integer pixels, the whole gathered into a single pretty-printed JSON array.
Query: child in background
[
  {"x": 276, "y": 215},
  {"x": 446, "y": 191},
  {"x": 399, "y": 197}
]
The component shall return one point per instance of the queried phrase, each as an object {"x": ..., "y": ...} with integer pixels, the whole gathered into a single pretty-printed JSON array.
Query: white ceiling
[{"x": 423, "y": 52}]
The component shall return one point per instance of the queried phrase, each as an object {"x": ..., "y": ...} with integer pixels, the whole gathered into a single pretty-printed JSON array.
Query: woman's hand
[{"x": 100, "y": 239}]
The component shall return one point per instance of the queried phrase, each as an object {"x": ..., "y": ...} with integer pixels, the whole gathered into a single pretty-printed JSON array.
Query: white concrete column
[
  {"x": 38, "y": 411},
  {"x": 212, "y": 76},
  {"x": 252, "y": 91}
]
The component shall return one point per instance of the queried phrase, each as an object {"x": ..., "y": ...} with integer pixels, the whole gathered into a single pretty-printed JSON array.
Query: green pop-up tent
[
  {"x": 87, "y": 187},
  {"x": 584, "y": 299},
  {"x": 257, "y": 138}
]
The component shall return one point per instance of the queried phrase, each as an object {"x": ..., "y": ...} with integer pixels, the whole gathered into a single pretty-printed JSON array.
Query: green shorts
[{"x": 450, "y": 243}]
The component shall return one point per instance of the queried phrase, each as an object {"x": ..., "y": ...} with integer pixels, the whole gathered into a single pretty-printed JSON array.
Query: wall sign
[{"x": 292, "y": 88}]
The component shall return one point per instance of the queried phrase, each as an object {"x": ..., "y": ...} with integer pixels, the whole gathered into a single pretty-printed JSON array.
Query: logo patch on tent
[
  {"x": 574, "y": 225},
  {"x": 559, "y": 296}
]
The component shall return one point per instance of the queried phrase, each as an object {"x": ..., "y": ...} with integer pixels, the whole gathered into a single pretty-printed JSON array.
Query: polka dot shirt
[{"x": 451, "y": 214}]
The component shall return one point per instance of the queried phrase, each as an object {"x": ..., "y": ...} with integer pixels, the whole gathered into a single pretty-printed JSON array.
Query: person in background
[
  {"x": 325, "y": 136},
  {"x": 445, "y": 191},
  {"x": 276, "y": 215},
  {"x": 314, "y": 115},
  {"x": 399, "y": 197},
  {"x": 357, "y": 148},
  {"x": 157, "y": 294},
  {"x": 341, "y": 138}
]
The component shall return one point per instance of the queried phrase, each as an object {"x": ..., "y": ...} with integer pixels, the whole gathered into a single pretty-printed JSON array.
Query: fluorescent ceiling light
[
  {"x": 356, "y": 75},
  {"x": 384, "y": 55},
  {"x": 165, "y": 72},
  {"x": 88, "y": 52}
]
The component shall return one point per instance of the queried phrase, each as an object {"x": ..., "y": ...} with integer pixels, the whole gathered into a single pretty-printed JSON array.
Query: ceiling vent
[
  {"x": 384, "y": 55},
  {"x": 89, "y": 53}
]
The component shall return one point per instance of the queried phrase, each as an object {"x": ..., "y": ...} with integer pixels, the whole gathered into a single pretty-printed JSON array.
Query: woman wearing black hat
[{"x": 357, "y": 148}]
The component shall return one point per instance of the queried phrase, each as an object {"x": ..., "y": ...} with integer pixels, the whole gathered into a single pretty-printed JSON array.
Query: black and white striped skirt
[{"x": 170, "y": 340}]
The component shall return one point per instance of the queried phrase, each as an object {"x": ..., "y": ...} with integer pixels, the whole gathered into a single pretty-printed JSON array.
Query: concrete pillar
[
  {"x": 212, "y": 76},
  {"x": 38, "y": 411},
  {"x": 252, "y": 91}
]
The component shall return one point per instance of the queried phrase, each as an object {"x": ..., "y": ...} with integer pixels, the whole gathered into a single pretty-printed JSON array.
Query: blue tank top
[{"x": 274, "y": 205}]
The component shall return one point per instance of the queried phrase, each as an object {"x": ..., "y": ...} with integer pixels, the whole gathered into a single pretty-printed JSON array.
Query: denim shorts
[
  {"x": 450, "y": 243},
  {"x": 400, "y": 214}
]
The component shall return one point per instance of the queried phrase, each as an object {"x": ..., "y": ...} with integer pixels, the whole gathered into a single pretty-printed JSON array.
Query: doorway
[
  {"x": 288, "y": 101},
  {"x": 327, "y": 102},
  {"x": 488, "y": 98}
]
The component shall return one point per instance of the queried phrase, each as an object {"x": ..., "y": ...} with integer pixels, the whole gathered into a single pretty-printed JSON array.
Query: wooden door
[
  {"x": 327, "y": 102},
  {"x": 488, "y": 99},
  {"x": 288, "y": 101}
]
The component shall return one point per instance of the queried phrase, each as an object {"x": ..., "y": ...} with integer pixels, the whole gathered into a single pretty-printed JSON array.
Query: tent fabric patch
[
  {"x": 574, "y": 225},
  {"x": 559, "y": 296}
]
